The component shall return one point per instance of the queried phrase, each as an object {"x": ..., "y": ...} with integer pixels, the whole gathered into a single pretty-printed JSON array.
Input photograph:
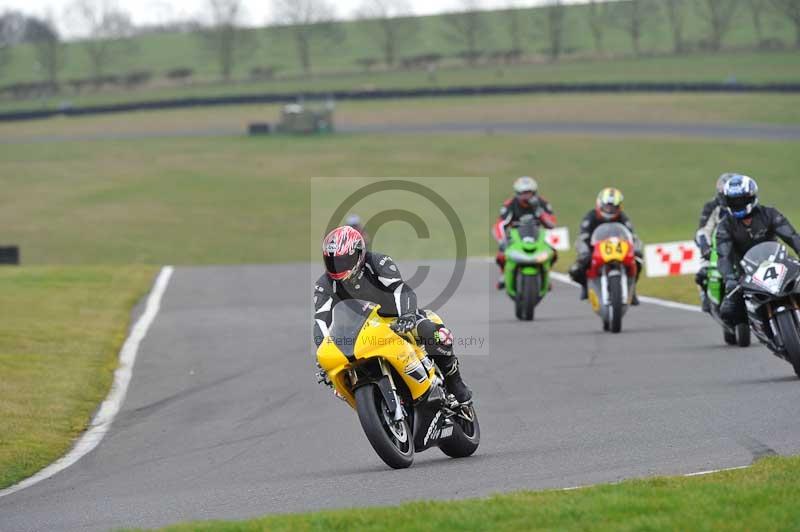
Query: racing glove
[
  {"x": 702, "y": 242},
  {"x": 405, "y": 323},
  {"x": 731, "y": 285},
  {"x": 322, "y": 376}
]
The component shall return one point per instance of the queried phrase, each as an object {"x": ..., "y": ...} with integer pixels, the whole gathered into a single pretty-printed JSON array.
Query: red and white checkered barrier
[
  {"x": 672, "y": 258},
  {"x": 558, "y": 238}
]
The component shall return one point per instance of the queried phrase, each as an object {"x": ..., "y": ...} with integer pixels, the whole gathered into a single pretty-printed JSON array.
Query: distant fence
[{"x": 387, "y": 94}]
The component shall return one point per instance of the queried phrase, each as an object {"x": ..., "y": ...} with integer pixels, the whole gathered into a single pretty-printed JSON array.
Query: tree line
[
  {"x": 389, "y": 24},
  {"x": 637, "y": 17}
]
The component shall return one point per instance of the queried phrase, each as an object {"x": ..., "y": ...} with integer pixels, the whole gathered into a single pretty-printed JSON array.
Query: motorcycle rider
[
  {"x": 608, "y": 209},
  {"x": 526, "y": 201},
  {"x": 746, "y": 225},
  {"x": 710, "y": 217},
  {"x": 352, "y": 272}
]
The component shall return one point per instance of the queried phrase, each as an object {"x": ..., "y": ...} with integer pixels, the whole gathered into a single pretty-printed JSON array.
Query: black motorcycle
[{"x": 771, "y": 290}]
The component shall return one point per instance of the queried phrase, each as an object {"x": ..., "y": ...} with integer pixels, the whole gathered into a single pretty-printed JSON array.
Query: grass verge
[
  {"x": 61, "y": 330},
  {"x": 762, "y": 497}
]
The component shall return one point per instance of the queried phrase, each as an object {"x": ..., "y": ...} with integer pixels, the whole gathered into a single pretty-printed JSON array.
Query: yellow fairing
[
  {"x": 377, "y": 340},
  {"x": 614, "y": 249}
]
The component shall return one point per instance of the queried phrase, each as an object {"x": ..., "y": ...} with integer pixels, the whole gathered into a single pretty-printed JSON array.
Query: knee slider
[{"x": 437, "y": 339}]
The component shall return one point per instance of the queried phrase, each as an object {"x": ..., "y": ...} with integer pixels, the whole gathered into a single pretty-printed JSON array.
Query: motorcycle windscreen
[
  {"x": 528, "y": 230},
  {"x": 770, "y": 269},
  {"x": 611, "y": 230},
  {"x": 349, "y": 317},
  {"x": 761, "y": 253}
]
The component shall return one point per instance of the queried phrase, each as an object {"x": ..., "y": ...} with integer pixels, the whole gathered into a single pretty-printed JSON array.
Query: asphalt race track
[
  {"x": 614, "y": 129},
  {"x": 224, "y": 418}
]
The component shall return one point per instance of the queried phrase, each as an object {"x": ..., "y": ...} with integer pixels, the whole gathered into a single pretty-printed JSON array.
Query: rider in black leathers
[
  {"x": 608, "y": 209},
  {"x": 355, "y": 273},
  {"x": 746, "y": 225}
]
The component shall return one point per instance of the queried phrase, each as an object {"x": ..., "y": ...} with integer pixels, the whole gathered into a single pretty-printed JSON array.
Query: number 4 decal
[
  {"x": 770, "y": 276},
  {"x": 771, "y": 273}
]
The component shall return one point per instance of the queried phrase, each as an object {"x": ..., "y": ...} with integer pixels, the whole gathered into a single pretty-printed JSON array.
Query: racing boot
[
  {"x": 501, "y": 282},
  {"x": 635, "y": 299},
  {"x": 584, "y": 292},
  {"x": 455, "y": 385}
]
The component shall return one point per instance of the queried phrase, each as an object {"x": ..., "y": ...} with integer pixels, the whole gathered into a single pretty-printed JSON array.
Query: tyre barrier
[
  {"x": 9, "y": 255},
  {"x": 258, "y": 128}
]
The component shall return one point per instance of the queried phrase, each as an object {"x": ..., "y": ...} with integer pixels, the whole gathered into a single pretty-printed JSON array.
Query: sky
[{"x": 258, "y": 11}]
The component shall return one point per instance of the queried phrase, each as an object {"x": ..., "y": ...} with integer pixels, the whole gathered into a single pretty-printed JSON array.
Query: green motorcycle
[
  {"x": 715, "y": 292},
  {"x": 529, "y": 259}
]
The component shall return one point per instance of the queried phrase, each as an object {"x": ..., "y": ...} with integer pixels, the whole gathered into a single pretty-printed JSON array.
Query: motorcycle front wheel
[
  {"x": 466, "y": 435},
  {"x": 528, "y": 288},
  {"x": 743, "y": 335},
  {"x": 790, "y": 337},
  {"x": 392, "y": 440},
  {"x": 615, "y": 308}
]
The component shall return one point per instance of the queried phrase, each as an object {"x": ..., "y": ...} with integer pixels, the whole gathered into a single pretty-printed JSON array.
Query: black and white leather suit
[
  {"x": 380, "y": 282},
  {"x": 734, "y": 239}
]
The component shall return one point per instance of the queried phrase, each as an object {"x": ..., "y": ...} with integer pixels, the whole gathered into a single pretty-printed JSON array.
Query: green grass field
[
  {"x": 222, "y": 200},
  {"x": 228, "y": 200},
  {"x": 61, "y": 330},
  {"x": 335, "y": 62},
  {"x": 746, "y": 67},
  {"x": 763, "y": 497}
]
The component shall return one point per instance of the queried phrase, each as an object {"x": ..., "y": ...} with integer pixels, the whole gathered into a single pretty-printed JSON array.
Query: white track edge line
[
  {"x": 644, "y": 299},
  {"x": 685, "y": 475},
  {"x": 712, "y": 471},
  {"x": 101, "y": 422}
]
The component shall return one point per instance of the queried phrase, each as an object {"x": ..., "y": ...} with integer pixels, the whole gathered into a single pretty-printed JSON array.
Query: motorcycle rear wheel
[
  {"x": 730, "y": 337},
  {"x": 465, "y": 439},
  {"x": 791, "y": 338},
  {"x": 393, "y": 441}
]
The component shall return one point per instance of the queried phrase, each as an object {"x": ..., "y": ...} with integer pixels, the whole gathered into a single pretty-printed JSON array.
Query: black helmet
[{"x": 741, "y": 196}]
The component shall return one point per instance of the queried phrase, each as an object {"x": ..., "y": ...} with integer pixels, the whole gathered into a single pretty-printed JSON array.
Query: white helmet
[{"x": 526, "y": 184}]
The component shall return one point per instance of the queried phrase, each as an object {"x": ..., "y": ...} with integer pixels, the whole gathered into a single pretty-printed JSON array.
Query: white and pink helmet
[{"x": 344, "y": 252}]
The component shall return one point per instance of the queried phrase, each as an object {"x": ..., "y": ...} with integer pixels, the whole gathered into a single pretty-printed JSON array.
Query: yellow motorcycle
[{"x": 396, "y": 390}]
